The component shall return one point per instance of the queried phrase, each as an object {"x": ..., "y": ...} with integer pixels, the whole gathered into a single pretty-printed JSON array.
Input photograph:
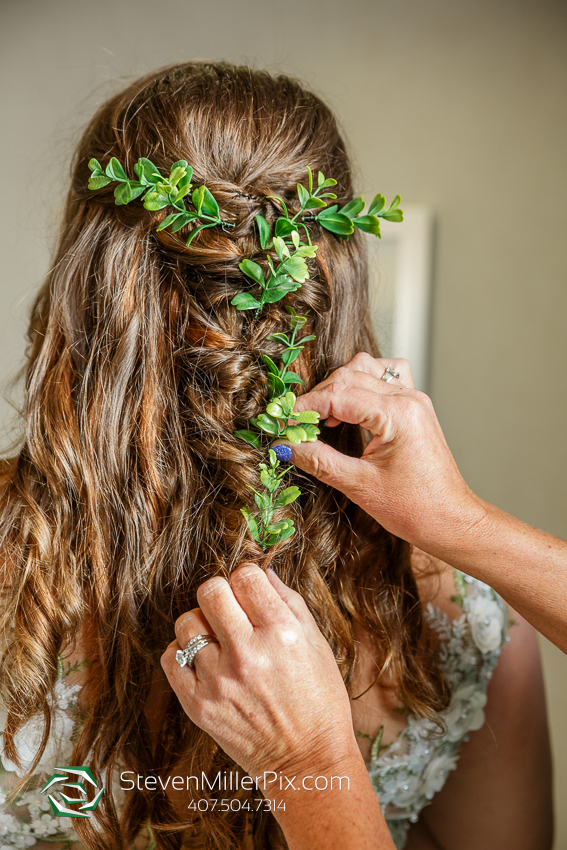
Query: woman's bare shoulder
[{"x": 435, "y": 582}]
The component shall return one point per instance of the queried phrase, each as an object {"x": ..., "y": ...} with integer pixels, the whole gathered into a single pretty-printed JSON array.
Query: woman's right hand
[
  {"x": 406, "y": 478},
  {"x": 270, "y": 692},
  {"x": 271, "y": 695}
]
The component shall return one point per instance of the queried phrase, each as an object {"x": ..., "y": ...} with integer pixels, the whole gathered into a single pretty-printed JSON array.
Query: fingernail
[
  {"x": 283, "y": 453},
  {"x": 272, "y": 571}
]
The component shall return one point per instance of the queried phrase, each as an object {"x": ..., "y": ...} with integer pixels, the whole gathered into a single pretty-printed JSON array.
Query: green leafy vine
[{"x": 285, "y": 273}]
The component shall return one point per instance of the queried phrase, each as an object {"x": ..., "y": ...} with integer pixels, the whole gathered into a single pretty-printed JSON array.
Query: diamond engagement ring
[
  {"x": 187, "y": 655},
  {"x": 389, "y": 373}
]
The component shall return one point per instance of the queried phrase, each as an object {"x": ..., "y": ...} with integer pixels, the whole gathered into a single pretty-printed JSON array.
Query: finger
[
  {"x": 348, "y": 377},
  {"x": 222, "y": 610},
  {"x": 294, "y": 601},
  {"x": 190, "y": 624},
  {"x": 183, "y": 680},
  {"x": 328, "y": 465},
  {"x": 375, "y": 366},
  {"x": 257, "y": 596},
  {"x": 359, "y": 405}
]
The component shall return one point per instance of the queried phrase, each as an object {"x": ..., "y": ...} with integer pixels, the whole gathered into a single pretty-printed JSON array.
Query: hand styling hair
[{"x": 126, "y": 492}]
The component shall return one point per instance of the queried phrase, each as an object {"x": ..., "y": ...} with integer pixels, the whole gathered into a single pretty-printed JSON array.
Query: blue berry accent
[{"x": 283, "y": 453}]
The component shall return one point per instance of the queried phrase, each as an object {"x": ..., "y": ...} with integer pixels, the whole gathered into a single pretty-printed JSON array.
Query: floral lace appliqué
[{"x": 408, "y": 773}]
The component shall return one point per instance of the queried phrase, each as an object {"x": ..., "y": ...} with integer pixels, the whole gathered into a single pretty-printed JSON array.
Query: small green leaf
[
  {"x": 156, "y": 201},
  {"x": 196, "y": 231},
  {"x": 270, "y": 364},
  {"x": 94, "y": 165},
  {"x": 310, "y": 416},
  {"x": 312, "y": 431},
  {"x": 377, "y": 205},
  {"x": 287, "y": 496},
  {"x": 253, "y": 271},
  {"x": 315, "y": 203},
  {"x": 276, "y": 294},
  {"x": 395, "y": 203},
  {"x": 197, "y": 198},
  {"x": 283, "y": 535},
  {"x": 337, "y": 223},
  {"x": 276, "y": 385},
  {"x": 209, "y": 205},
  {"x": 268, "y": 424},
  {"x": 147, "y": 172},
  {"x": 282, "y": 281},
  {"x": 353, "y": 208},
  {"x": 184, "y": 218},
  {"x": 184, "y": 185},
  {"x": 295, "y": 434},
  {"x": 122, "y": 194},
  {"x": 284, "y": 227},
  {"x": 290, "y": 399},
  {"x": 395, "y": 215},
  {"x": 279, "y": 526},
  {"x": 252, "y": 524},
  {"x": 310, "y": 173},
  {"x": 303, "y": 195},
  {"x": 245, "y": 301},
  {"x": 98, "y": 181},
  {"x": 292, "y": 378},
  {"x": 115, "y": 170},
  {"x": 296, "y": 267},
  {"x": 276, "y": 198},
  {"x": 368, "y": 223},
  {"x": 296, "y": 321},
  {"x": 168, "y": 220},
  {"x": 306, "y": 339},
  {"x": 248, "y": 437},
  {"x": 274, "y": 409},
  {"x": 267, "y": 480},
  {"x": 326, "y": 213},
  {"x": 177, "y": 173},
  {"x": 280, "y": 338},
  {"x": 281, "y": 248},
  {"x": 290, "y": 355},
  {"x": 306, "y": 251},
  {"x": 263, "y": 501},
  {"x": 263, "y": 230},
  {"x": 320, "y": 179}
]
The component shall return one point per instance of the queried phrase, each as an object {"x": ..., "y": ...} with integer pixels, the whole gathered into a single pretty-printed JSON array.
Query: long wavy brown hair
[{"x": 126, "y": 492}]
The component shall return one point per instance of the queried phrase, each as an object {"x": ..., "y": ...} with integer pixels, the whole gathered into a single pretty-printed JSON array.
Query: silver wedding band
[
  {"x": 389, "y": 373},
  {"x": 187, "y": 655}
]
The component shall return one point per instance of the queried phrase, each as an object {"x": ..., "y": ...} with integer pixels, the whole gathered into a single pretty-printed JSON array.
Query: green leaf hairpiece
[
  {"x": 159, "y": 192},
  {"x": 285, "y": 273}
]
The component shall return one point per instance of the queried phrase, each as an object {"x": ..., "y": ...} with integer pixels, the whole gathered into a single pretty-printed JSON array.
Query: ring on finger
[
  {"x": 187, "y": 655},
  {"x": 389, "y": 373}
]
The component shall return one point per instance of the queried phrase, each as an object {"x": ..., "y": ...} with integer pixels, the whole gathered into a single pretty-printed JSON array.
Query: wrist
[{"x": 332, "y": 805}]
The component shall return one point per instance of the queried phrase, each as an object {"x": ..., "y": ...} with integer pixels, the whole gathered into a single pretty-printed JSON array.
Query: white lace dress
[{"x": 406, "y": 774}]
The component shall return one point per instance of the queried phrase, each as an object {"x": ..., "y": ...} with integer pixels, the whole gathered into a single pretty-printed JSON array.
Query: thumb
[{"x": 325, "y": 463}]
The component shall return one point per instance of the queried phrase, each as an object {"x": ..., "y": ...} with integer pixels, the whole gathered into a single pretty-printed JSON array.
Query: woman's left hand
[{"x": 270, "y": 692}]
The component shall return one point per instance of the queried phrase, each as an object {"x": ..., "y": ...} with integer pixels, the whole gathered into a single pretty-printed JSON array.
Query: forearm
[
  {"x": 525, "y": 565},
  {"x": 345, "y": 815}
]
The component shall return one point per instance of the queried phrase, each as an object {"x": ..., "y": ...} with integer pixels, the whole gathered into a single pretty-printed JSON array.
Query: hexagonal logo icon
[{"x": 82, "y": 774}]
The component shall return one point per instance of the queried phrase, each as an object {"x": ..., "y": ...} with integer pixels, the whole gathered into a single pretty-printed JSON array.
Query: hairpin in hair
[{"x": 279, "y": 419}]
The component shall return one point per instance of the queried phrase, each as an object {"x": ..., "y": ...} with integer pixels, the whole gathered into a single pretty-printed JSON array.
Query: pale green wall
[{"x": 456, "y": 103}]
